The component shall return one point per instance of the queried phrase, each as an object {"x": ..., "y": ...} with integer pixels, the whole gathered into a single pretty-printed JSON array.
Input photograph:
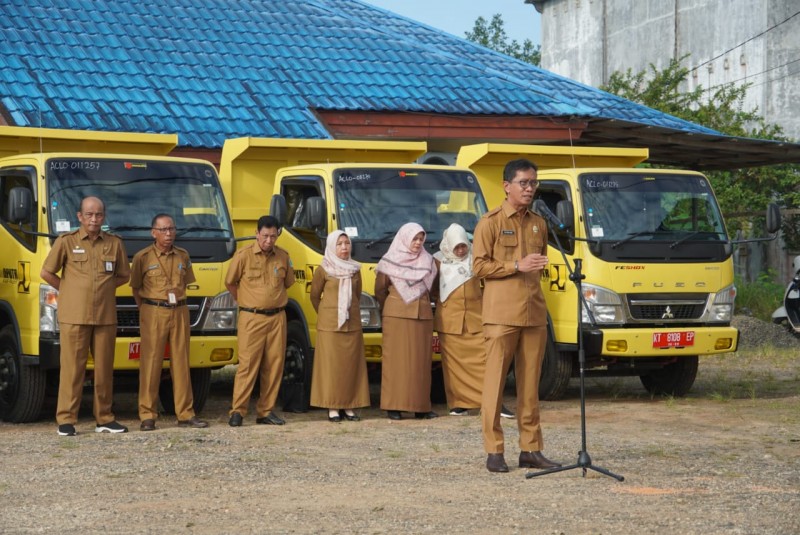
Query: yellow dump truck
[
  {"x": 44, "y": 174},
  {"x": 656, "y": 256},
  {"x": 360, "y": 187}
]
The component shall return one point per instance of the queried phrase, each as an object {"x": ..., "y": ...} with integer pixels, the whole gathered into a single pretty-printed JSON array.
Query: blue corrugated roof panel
[{"x": 214, "y": 69}]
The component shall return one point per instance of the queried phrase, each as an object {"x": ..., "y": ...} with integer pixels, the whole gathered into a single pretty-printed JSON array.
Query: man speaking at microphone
[{"x": 510, "y": 252}]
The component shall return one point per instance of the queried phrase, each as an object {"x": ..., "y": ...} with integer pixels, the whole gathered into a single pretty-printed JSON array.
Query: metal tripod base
[{"x": 584, "y": 462}]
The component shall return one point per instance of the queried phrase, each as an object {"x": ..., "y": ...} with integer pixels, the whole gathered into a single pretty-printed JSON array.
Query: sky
[{"x": 521, "y": 20}]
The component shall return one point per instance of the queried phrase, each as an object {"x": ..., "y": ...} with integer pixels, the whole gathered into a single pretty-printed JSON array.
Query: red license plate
[
  {"x": 436, "y": 345},
  {"x": 134, "y": 349},
  {"x": 673, "y": 339}
]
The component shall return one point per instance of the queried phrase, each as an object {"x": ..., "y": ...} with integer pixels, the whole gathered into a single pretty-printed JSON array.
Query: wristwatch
[{"x": 516, "y": 266}]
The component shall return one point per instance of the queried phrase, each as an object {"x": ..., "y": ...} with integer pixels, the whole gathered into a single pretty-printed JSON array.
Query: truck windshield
[
  {"x": 641, "y": 212},
  {"x": 135, "y": 190},
  {"x": 373, "y": 203}
]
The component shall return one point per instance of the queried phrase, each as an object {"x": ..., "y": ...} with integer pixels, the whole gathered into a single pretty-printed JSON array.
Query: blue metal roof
[{"x": 216, "y": 69}]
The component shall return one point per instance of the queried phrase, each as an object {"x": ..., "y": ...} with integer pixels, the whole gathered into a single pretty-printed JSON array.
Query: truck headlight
[
  {"x": 221, "y": 314},
  {"x": 721, "y": 309},
  {"x": 48, "y": 306},
  {"x": 605, "y": 305},
  {"x": 370, "y": 312}
]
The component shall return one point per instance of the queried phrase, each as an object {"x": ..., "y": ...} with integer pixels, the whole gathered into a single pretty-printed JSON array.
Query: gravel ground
[{"x": 725, "y": 459}]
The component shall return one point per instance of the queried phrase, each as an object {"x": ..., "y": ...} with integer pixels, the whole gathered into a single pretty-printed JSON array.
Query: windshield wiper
[
  {"x": 687, "y": 237},
  {"x": 182, "y": 231},
  {"x": 387, "y": 234},
  {"x": 633, "y": 235}
]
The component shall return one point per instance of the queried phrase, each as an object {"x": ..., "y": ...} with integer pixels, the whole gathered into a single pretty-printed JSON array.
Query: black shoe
[
  {"x": 352, "y": 417},
  {"x": 66, "y": 430},
  {"x": 270, "y": 419},
  {"x": 495, "y": 462},
  {"x": 148, "y": 424},
  {"x": 425, "y": 415},
  {"x": 505, "y": 412},
  {"x": 336, "y": 418},
  {"x": 235, "y": 420},
  {"x": 458, "y": 411},
  {"x": 394, "y": 415},
  {"x": 111, "y": 427}
]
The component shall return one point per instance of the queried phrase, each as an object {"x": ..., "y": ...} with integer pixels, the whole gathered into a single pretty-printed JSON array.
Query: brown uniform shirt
[
  {"x": 262, "y": 278},
  {"x": 502, "y": 236},
  {"x": 461, "y": 312},
  {"x": 156, "y": 273},
  {"x": 89, "y": 269},
  {"x": 325, "y": 300},
  {"x": 393, "y": 306}
]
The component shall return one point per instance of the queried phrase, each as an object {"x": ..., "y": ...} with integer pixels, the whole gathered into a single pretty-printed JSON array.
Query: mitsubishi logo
[{"x": 667, "y": 315}]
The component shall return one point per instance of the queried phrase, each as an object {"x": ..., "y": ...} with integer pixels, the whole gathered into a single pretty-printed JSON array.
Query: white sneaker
[
  {"x": 111, "y": 427},
  {"x": 505, "y": 412},
  {"x": 458, "y": 411}
]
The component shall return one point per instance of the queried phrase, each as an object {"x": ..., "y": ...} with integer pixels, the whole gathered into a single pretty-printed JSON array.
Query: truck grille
[{"x": 667, "y": 307}]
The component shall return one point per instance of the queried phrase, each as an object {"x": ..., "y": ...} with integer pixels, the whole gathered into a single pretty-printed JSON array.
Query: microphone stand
[{"x": 584, "y": 461}]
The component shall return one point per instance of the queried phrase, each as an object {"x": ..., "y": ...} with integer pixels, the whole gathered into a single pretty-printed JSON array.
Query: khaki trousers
[
  {"x": 76, "y": 343},
  {"x": 262, "y": 350},
  {"x": 503, "y": 342},
  {"x": 160, "y": 325}
]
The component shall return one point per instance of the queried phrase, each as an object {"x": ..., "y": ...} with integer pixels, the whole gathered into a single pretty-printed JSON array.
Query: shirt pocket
[
  {"x": 155, "y": 277},
  {"x": 254, "y": 275},
  {"x": 509, "y": 243},
  {"x": 277, "y": 274},
  {"x": 78, "y": 261},
  {"x": 108, "y": 264}
]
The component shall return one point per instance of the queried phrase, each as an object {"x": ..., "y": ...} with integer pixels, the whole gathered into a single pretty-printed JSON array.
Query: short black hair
[
  {"x": 268, "y": 221},
  {"x": 513, "y": 166},
  {"x": 159, "y": 216}
]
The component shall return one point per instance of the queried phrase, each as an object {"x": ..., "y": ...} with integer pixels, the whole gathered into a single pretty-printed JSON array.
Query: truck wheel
[
  {"x": 201, "y": 387},
  {"x": 295, "y": 392},
  {"x": 21, "y": 387},
  {"x": 556, "y": 372},
  {"x": 674, "y": 379}
]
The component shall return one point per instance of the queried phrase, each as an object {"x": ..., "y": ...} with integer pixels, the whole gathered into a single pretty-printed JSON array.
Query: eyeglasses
[
  {"x": 525, "y": 184},
  {"x": 164, "y": 230}
]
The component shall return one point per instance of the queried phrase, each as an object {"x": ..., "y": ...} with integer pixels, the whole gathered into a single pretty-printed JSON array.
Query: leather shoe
[
  {"x": 335, "y": 419},
  {"x": 535, "y": 459},
  {"x": 194, "y": 422},
  {"x": 352, "y": 417},
  {"x": 425, "y": 415},
  {"x": 148, "y": 425},
  {"x": 495, "y": 462},
  {"x": 270, "y": 419},
  {"x": 236, "y": 420},
  {"x": 394, "y": 415}
]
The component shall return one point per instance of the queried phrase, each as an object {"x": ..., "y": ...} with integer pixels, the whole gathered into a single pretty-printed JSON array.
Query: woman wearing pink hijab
[
  {"x": 404, "y": 278},
  {"x": 339, "y": 380}
]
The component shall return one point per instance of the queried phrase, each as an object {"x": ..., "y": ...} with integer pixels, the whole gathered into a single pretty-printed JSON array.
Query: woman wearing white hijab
[
  {"x": 339, "y": 381},
  {"x": 403, "y": 282},
  {"x": 458, "y": 322}
]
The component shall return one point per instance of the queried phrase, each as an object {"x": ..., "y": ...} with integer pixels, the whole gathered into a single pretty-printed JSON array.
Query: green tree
[
  {"x": 721, "y": 108},
  {"x": 493, "y": 35}
]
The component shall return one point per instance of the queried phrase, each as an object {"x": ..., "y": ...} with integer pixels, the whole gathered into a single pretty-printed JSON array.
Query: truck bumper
[{"x": 639, "y": 342}]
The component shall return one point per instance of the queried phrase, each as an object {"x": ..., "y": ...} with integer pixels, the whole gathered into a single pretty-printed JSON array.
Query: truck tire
[
  {"x": 556, "y": 372},
  {"x": 201, "y": 387},
  {"x": 674, "y": 379},
  {"x": 21, "y": 387},
  {"x": 295, "y": 392}
]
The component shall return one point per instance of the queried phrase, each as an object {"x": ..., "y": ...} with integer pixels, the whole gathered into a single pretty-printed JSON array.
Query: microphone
[{"x": 540, "y": 207}]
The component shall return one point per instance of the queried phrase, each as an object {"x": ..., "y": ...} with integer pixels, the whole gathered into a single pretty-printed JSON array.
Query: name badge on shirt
[
  {"x": 508, "y": 232},
  {"x": 77, "y": 251},
  {"x": 172, "y": 299},
  {"x": 535, "y": 229},
  {"x": 109, "y": 267}
]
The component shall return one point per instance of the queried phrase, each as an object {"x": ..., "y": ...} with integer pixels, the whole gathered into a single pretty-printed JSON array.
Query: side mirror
[
  {"x": 277, "y": 208},
  {"x": 566, "y": 214},
  {"x": 316, "y": 212},
  {"x": 773, "y": 218},
  {"x": 20, "y": 205}
]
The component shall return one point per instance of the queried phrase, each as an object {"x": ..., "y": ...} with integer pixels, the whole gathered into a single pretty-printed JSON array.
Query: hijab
[
  {"x": 342, "y": 270},
  {"x": 453, "y": 271},
  {"x": 411, "y": 273}
]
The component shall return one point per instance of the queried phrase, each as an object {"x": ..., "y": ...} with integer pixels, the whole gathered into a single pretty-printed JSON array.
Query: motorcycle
[{"x": 789, "y": 313}]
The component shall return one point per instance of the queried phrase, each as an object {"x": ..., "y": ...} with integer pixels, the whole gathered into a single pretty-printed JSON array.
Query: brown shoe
[
  {"x": 535, "y": 459},
  {"x": 148, "y": 425},
  {"x": 495, "y": 462},
  {"x": 193, "y": 422}
]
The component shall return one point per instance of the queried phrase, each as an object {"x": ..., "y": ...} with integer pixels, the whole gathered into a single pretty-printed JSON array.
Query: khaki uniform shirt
[
  {"x": 461, "y": 312},
  {"x": 393, "y": 306},
  {"x": 262, "y": 277},
  {"x": 325, "y": 299},
  {"x": 502, "y": 236},
  {"x": 89, "y": 270},
  {"x": 156, "y": 273}
]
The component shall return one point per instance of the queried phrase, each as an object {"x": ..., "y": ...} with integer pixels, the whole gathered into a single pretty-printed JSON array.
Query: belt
[
  {"x": 263, "y": 311},
  {"x": 165, "y": 304}
]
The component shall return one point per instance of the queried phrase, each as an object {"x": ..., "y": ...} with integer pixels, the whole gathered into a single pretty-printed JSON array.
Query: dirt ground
[{"x": 725, "y": 459}]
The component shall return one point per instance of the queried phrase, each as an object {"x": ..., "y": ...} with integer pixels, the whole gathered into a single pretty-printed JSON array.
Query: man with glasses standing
[
  {"x": 159, "y": 276},
  {"x": 510, "y": 252},
  {"x": 93, "y": 264},
  {"x": 257, "y": 278}
]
